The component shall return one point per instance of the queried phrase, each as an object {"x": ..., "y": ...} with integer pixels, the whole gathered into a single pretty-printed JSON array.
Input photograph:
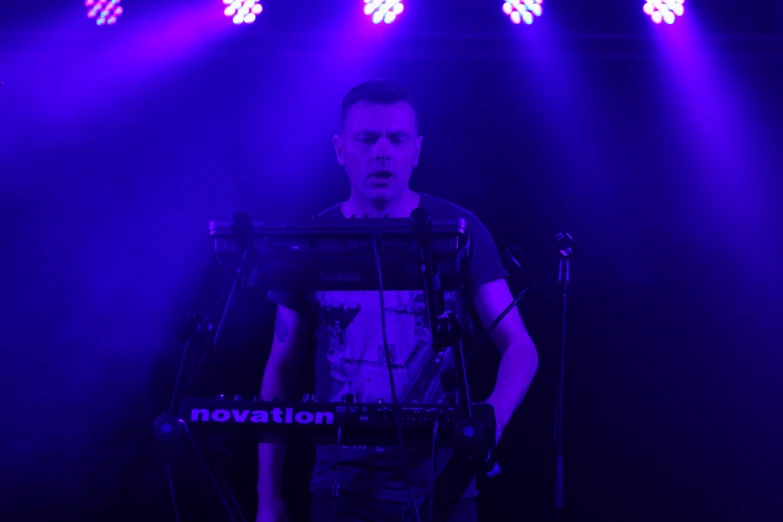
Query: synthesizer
[
  {"x": 318, "y": 254},
  {"x": 346, "y": 422}
]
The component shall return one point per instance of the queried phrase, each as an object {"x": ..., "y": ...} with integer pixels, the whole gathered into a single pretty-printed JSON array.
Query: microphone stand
[
  {"x": 565, "y": 245},
  {"x": 201, "y": 335},
  {"x": 473, "y": 450},
  {"x": 446, "y": 330}
]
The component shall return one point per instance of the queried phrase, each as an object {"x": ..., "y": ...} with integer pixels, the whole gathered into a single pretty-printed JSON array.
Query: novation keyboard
[
  {"x": 339, "y": 254},
  {"x": 369, "y": 424}
]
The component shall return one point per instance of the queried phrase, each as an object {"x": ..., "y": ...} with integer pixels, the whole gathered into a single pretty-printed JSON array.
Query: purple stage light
[
  {"x": 242, "y": 11},
  {"x": 664, "y": 10},
  {"x": 383, "y": 10},
  {"x": 523, "y": 10},
  {"x": 105, "y": 12}
]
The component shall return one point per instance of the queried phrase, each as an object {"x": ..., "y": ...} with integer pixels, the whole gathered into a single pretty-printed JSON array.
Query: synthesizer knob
[
  {"x": 348, "y": 398},
  {"x": 220, "y": 397},
  {"x": 238, "y": 398}
]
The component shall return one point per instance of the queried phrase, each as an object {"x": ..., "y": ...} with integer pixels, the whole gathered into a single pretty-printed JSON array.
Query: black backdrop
[{"x": 118, "y": 147}]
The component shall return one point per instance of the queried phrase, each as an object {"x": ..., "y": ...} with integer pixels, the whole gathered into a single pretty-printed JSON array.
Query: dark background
[{"x": 658, "y": 148}]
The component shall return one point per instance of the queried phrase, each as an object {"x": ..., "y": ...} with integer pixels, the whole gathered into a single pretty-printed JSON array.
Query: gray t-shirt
[{"x": 350, "y": 358}]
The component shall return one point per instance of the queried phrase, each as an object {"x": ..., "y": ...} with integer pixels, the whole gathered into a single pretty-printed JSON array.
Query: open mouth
[{"x": 381, "y": 175}]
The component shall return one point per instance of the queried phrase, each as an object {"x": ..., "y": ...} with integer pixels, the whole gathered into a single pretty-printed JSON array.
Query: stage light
[
  {"x": 242, "y": 11},
  {"x": 383, "y": 10},
  {"x": 523, "y": 10},
  {"x": 105, "y": 12},
  {"x": 664, "y": 10}
]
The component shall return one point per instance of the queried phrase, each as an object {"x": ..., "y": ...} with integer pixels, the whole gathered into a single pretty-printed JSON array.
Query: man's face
[{"x": 379, "y": 148}]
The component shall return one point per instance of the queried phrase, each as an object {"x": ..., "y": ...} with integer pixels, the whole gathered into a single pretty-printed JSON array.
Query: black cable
[
  {"x": 496, "y": 322},
  {"x": 171, "y": 490},
  {"x": 179, "y": 375},
  {"x": 404, "y": 463},
  {"x": 518, "y": 261},
  {"x": 336, "y": 485}
]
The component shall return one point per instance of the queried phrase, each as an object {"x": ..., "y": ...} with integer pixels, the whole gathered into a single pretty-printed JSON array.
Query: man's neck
[{"x": 400, "y": 207}]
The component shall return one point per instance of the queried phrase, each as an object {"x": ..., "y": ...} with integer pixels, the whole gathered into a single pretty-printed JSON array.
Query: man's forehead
[{"x": 398, "y": 116}]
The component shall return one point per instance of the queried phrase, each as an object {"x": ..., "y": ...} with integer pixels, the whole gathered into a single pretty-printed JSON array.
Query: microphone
[
  {"x": 421, "y": 227},
  {"x": 565, "y": 246},
  {"x": 242, "y": 229}
]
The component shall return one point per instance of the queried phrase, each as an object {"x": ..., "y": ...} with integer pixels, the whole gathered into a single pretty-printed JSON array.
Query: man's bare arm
[
  {"x": 519, "y": 359},
  {"x": 282, "y": 378}
]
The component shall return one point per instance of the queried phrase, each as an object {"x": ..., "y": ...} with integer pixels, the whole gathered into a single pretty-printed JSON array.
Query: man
[{"x": 379, "y": 146}]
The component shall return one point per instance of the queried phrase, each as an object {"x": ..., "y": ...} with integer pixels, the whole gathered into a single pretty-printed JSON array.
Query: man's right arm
[{"x": 282, "y": 378}]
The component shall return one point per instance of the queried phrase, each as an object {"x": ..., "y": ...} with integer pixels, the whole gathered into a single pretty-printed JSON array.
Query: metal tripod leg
[{"x": 220, "y": 486}]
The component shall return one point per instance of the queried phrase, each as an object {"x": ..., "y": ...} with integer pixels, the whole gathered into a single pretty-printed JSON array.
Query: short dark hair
[{"x": 379, "y": 92}]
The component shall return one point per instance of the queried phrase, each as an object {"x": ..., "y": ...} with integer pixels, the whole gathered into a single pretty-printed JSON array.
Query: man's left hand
[{"x": 501, "y": 420}]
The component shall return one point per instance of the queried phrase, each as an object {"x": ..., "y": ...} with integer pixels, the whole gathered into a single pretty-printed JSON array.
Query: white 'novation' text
[{"x": 276, "y": 415}]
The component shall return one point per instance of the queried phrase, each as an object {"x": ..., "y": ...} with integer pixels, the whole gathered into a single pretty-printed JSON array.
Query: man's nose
[{"x": 382, "y": 147}]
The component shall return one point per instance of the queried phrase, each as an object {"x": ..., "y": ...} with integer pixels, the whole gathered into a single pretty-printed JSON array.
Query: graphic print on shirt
[{"x": 356, "y": 354}]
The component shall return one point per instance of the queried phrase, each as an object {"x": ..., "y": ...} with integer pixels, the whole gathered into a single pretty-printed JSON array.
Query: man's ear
[
  {"x": 337, "y": 140},
  {"x": 418, "y": 150}
]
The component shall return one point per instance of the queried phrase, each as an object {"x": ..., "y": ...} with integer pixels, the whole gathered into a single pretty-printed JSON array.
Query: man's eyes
[{"x": 372, "y": 138}]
